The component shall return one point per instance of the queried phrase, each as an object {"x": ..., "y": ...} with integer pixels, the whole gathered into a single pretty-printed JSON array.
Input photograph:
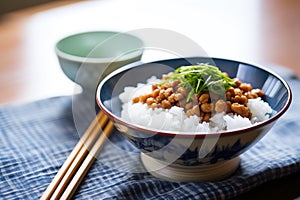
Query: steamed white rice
[{"x": 175, "y": 119}]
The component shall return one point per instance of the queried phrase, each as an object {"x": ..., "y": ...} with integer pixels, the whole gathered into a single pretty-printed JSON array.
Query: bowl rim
[
  {"x": 189, "y": 134},
  {"x": 129, "y": 55}
]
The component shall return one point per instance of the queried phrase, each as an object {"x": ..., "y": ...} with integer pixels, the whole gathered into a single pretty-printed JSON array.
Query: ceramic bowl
[
  {"x": 87, "y": 56},
  {"x": 196, "y": 156}
]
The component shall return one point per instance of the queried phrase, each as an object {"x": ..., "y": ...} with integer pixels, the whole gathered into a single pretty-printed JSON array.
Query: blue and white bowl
[{"x": 193, "y": 156}]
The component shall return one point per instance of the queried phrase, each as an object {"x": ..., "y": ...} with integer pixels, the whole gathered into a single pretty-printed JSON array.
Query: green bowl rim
[{"x": 131, "y": 54}]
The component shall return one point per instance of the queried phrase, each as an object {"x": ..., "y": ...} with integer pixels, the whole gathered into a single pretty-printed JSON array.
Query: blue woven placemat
[{"x": 37, "y": 137}]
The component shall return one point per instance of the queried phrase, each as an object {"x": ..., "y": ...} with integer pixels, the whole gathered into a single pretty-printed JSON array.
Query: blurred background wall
[{"x": 13, "y": 5}]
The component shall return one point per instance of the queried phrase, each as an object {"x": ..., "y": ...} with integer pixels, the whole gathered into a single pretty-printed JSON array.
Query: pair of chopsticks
[{"x": 79, "y": 161}]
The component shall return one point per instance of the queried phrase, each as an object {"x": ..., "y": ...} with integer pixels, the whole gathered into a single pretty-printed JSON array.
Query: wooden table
[
  {"x": 265, "y": 31},
  {"x": 259, "y": 31}
]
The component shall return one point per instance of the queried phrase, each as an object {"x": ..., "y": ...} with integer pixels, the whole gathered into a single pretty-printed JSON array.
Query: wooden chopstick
[
  {"x": 68, "y": 193},
  {"x": 77, "y": 156}
]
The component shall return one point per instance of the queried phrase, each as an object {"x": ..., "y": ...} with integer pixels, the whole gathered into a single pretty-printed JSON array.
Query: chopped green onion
[{"x": 200, "y": 78}]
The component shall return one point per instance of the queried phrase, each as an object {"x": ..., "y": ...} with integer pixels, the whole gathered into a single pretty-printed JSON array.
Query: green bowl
[{"x": 93, "y": 55}]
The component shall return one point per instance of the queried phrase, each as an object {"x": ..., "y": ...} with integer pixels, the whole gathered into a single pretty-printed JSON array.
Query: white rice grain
[{"x": 260, "y": 109}]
